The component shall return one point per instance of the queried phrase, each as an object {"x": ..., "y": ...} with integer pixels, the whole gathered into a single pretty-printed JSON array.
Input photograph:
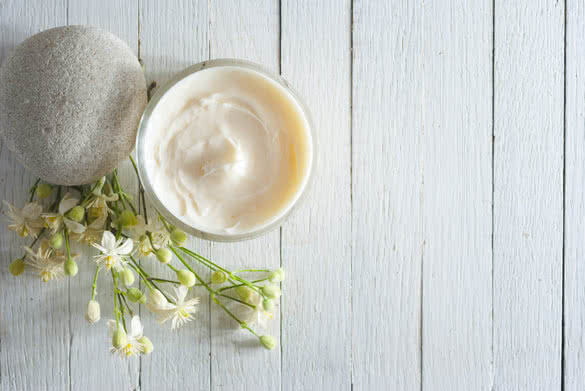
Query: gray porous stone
[{"x": 70, "y": 103}]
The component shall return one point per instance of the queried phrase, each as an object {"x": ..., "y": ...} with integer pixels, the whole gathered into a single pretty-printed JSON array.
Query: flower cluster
[{"x": 103, "y": 216}]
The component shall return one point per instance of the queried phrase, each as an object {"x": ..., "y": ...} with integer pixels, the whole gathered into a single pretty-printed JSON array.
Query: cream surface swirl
[{"x": 228, "y": 150}]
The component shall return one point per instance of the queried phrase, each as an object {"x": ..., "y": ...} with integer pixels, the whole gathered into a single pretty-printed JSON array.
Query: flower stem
[
  {"x": 239, "y": 285},
  {"x": 33, "y": 189},
  {"x": 94, "y": 286},
  {"x": 116, "y": 313},
  {"x": 66, "y": 234},
  {"x": 163, "y": 280},
  {"x": 212, "y": 292},
  {"x": 251, "y": 271}
]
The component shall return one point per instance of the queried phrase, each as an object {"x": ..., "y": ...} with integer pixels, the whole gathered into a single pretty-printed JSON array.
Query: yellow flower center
[
  {"x": 183, "y": 314},
  {"x": 45, "y": 276},
  {"x": 128, "y": 350},
  {"x": 109, "y": 262}
]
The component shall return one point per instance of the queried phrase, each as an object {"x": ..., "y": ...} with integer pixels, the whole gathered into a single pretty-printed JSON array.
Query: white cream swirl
[{"x": 228, "y": 150}]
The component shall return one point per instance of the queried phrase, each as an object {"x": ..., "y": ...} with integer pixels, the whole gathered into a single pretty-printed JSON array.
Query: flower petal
[
  {"x": 73, "y": 226},
  {"x": 126, "y": 247},
  {"x": 135, "y": 327},
  {"x": 108, "y": 240},
  {"x": 66, "y": 204}
]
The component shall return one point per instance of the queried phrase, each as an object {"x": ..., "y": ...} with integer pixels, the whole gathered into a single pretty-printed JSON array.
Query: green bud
[
  {"x": 44, "y": 190},
  {"x": 178, "y": 237},
  {"x": 76, "y": 213},
  {"x": 218, "y": 277},
  {"x": 70, "y": 267},
  {"x": 146, "y": 345},
  {"x": 164, "y": 255},
  {"x": 276, "y": 275},
  {"x": 56, "y": 240},
  {"x": 93, "y": 214},
  {"x": 156, "y": 297},
  {"x": 244, "y": 292},
  {"x": 127, "y": 219},
  {"x": 119, "y": 338},
  {"x": 135, "y": 295},
  {"x": 268, "y": 304},
  {"x": 271, "y": 291},
  {"x": 17, "y": 266},
  {"x": 268, "y": 341},
  {"x": 127, "y": 276},
  {"x": 186, "y": 278}
]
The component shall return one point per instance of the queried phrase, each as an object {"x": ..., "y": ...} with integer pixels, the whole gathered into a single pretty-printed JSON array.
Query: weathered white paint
[
  {"x": 457, "y": 210},
  {"x": 392, "y": 281},
  {"x": 574, "y": 291},
  {"x": 34, "y": 317},
  {"x": 247, "y": 30},
  {"x": 528, "y": 194},
  {"x": 387, "y": 195},
  {"x": 316, "y": 252}
]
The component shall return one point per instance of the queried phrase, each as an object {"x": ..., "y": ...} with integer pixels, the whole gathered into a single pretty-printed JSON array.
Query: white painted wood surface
[{"x": 441, "y": 246}]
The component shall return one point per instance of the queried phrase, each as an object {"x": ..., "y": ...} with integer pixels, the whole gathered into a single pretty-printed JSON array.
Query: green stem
[
  {"x": 66, "y": 232},
  {"x": 239, "y": 285},
  {"x": 252, "y": 271},
  {"x": 94, "y": 286},
  {"x": 163, "y": 280},
  {"x": 116, "y": 313},
  {"x": 33, "y": 189},
  {"x": 121, "y": 296},
  {"x": 212, "y": 292},
  {"x": 236, "y": 299}
]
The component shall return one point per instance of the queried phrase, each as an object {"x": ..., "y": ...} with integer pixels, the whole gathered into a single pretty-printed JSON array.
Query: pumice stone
[{"x": 71, "y": 99}]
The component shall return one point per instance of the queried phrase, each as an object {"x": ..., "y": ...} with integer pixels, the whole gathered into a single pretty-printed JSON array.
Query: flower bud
[
  {"x": 276, "y": 275},
  {"x": 77, "y": 213},
  {"x": 267, "y": 304},
  {"x": 127, "y": 219},
  {"x": 271, "y": 291},
  {"x": 44, "y": 190},
  {"x": 127, "y": 276},
  {"x": 268, "y": 341},
  {"x": 93, "y": 214},
  {"x": 119, "y": 338},
  {"x": 178, "y": 237},
  {"x": 17, "y": 266},
  {"x": 70, "y": 267},
  {"x": 157, "y": 298},
  {"x": 244, "y": 292},
  {"x": 164, "y": 255},
  {"x": 56, "y": 241},
  {"x": 146, "y": 345},
  {"x": 186, "y": 278},
  {"x": 93, "y": 311},
  {"x": 218, "y": 277},
  {"x": 97, "y": 189},
  {"x": 135, "y": 295}
]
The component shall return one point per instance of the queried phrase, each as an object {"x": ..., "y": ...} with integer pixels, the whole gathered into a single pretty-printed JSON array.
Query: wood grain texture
[
  {"x": 246, "y": 30},
  {"x": 457, "y": 166},
  {"x": 528, "y": 194},
  {"x": 173, "y": 35},
  {"x": 387, "y": 224},
  {"x": 34, "y": 317},
  {"x": 92, "y": 341},
  {"x": 316, "y": 253},
  {"x": 574, "y": 207}
]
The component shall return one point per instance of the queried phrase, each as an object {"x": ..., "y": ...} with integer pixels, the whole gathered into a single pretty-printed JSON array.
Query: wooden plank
[
  {"x": 528, "y": 194},
  {"x": 316, "y": 252},
  {"x": 246, "y": 30},
  {"x": 457, "y": 196},
  {"x": 91, "y": 342},
  {"x": 574, "y": 207},
  {"x": 173, "y": 35},
  {"x": 35, "y": 316},
  {"x": 387, "y": 195}
]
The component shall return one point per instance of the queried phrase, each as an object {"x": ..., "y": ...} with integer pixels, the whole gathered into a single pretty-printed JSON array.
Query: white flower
[
  {"x": 133, "y": 346},
  {"x": 92, "y": 233},
  {"x": 113, "y": 252},
  {"x": 138, "y": 234},
  {"x": 48, "y": 265},
  {"x": 179, "y": 313},
  {"x": 55, "y": 221},
  {"x": 25, "y": 221},
  {"x": 254, "y": 316},
  {"x": 100, "y": 204}
]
